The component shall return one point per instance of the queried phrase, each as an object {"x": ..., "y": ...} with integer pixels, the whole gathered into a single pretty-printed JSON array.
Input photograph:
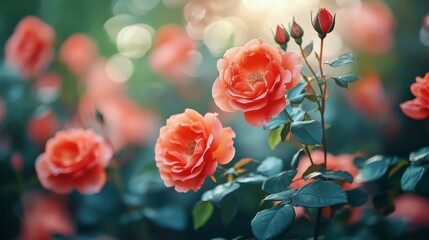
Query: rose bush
[
  {"x": 74, "y": 158},
  {"x": 190, "y": 147},
  {"x": 254, "y": 79}
]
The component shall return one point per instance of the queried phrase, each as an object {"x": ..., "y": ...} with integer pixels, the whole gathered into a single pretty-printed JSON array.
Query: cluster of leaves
[{"x": 400, "y": 175}]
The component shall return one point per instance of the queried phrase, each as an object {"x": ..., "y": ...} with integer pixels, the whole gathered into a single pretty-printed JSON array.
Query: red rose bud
[
  {"x": 296, "y": 32},
  {"x": 323, "y": 22},
  {"x": 282, "y": 37}
]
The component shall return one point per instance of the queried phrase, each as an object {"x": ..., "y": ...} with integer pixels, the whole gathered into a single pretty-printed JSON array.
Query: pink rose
[
  {"x": 78, "y": 52},
  {"x": 418, "y": 108},
  {"x": 190, "y": 147},
  {"x": 30, "y": 49},
  {"x": 254, "y": 79},
  {"x": 74, "y": 158}
]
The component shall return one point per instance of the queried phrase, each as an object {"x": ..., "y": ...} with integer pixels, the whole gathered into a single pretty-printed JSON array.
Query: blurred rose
[
  {"x": 254, "y": 79},
  {"x": 44, "y": 215},
  {"x": 16, "y": 162},
  {"x": 30, "y": 49},
  {"x": 172, "y": 53},
  {"x": 74, "y": 158},
  {"x": 369, "y": 28},
  {"x": 42, "y": 125},
  {"x": 125, "y": 121},
  {"x": 418, "y": 108},
  {"x": 343, "y": 162},
  {"x": 99, "y": 84},
  {"x": 412, "y": 209},
  {"x": 189, "y": 148},
  {"x": 48, "y": 87},
  {"x": 78, "y": 52},
  {"x": 368, "y": 96}
]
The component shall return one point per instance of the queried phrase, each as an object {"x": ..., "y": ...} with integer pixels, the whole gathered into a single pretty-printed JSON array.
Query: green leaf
[
  {"x": 99, "y": 116},
  {"x": 308, "y": 49},
  {"x": 341, "y": 60},
  {"x": 296, "y": 94},
  {"x": 373, "y": 169},
  {"x": 277, "y": 121},
  {"x": 228, "y": 209},
  {"x": 251, "y": 179},
  {"x": 411, "y": 177},
  {"x": 285, "y": 196},
  {"x": 270, "y": 223},
  {"x": 219, "y": 192},
  {"x": 285, "y": 131},
  {"x": 278, "y": 182},
  {"x": 319, "y": 194},
  {"x": 338, "y": 175},
  {"x": 201, "y": 213},
  {"x": 307, "y": 132},
  {"x": 270, "y": 166},
  {"x": 420, "y": 155},
  {"x": 343, "y": 81},
  {"x": 297, "y": 113},
  {"x": 315, "y": 168},
  {"x": 274, "y": 137},
  {"x": 356, "y": 197},
  {"x": 295, "y": 159}
]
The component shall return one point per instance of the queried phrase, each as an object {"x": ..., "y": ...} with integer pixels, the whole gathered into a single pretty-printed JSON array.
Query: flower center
[{"x": 255, "y": 77}]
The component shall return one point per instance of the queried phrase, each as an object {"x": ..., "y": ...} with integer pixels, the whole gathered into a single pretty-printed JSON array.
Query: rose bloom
[
  {"x": 343, "y": 162},
  {"x": 78, "y": 52},
  {"x": 418, "y": 108},
  {"x": 42, "y": 126},
  {"x": 2, "y": 110},
  {"x": 172, "y": 53},
  {"x": 44, "y": 215},
  {"x": 190, "y": 147},
  {"x": 254, "y": 79},
  {"x": 30, "y": 49},
  {"x": 125, "y": 122},
  {"x": 369, "y": 28},
  {"x": 412, "y": 209},
  {"x": 74, "y": 158}
]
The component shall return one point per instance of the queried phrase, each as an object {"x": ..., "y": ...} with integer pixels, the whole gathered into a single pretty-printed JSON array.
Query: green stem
[{"x": 317, "y": 227}]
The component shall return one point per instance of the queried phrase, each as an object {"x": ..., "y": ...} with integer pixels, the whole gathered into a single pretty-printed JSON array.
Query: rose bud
[
  {"x": 323, "y": 22},
  {"x": 296, "y": 32},
  {"x": 281, "y": 37}
]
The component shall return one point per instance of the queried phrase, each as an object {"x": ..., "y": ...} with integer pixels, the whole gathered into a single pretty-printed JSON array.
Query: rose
[
  {"x": 418, "y": 108},
  {"x": 43, "y": 216},
  {"x": 189, "y": 147},
  {"x": 30, "y": 49},
  {"x": 78, "y": 52},
  {"x": 343, "y": 162},
  {"x": 74, "y": 158},
  {"x": 281, "y": 37},
  {"x": 323, "y": 22},
  {"x": 254, "y": 79}
]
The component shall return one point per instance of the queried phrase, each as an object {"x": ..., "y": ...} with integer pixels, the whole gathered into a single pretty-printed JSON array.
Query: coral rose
[
  {"x": 418, "y": 108},
  {"x": 30, "y": 49},
  {"x": 343, "y": 162},
  {"x": 44, "y": 215},
  {"x": 74, "y": 158},
  {"x": 78, "y": 52},
  {"x": 189, "y": 148},
  {"x": 125, "y": 121},
  {"x": 413, "y": 209},
  {"x": 172, "y": 53},
  {"x": 369, "y": 28},
  {"x": 254, "y": 79}
]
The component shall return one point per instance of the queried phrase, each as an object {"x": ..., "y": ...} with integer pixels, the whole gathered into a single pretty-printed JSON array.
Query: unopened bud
[
  {"x": 296, "y": 32},
  {"x": 323, "y": 22}
]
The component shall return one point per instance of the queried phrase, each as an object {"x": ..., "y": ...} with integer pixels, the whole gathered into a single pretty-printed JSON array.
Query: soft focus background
[{"x": 140, "y": 61}]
